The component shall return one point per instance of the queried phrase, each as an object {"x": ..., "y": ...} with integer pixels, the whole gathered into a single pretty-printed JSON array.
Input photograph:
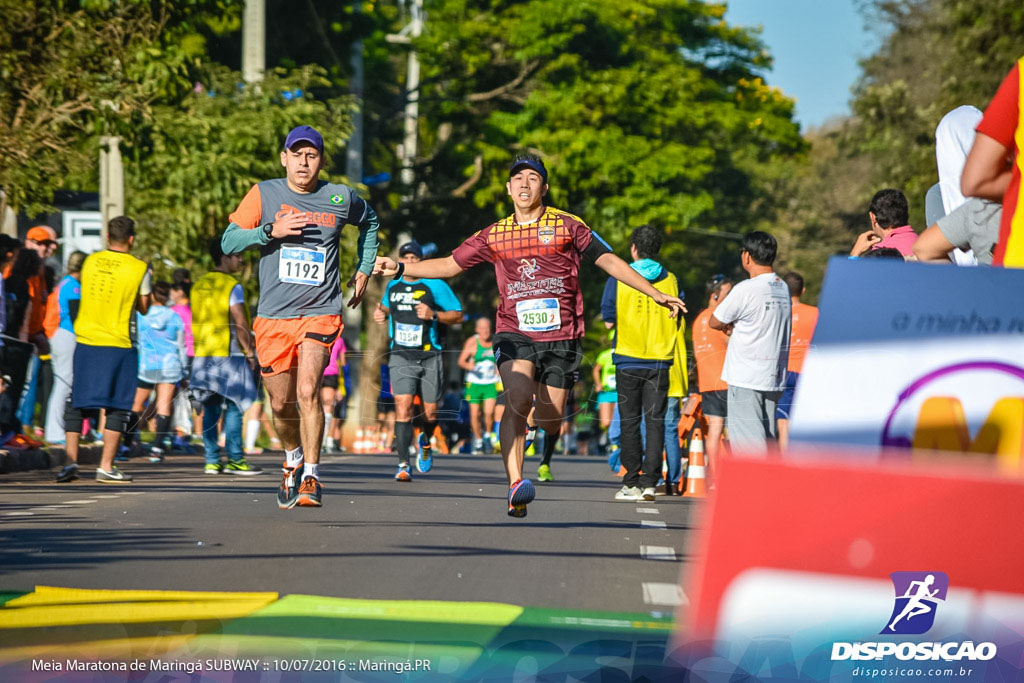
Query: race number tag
[
  {"x": 302, "y": 265},
  {"x": 408, "y": 335},
  {"x": 538, "y": 315}
]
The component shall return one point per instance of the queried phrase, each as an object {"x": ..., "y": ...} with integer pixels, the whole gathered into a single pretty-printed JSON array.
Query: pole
[
  {"x": 254, "y": 41},
  {"x": 111, "y": 179}
]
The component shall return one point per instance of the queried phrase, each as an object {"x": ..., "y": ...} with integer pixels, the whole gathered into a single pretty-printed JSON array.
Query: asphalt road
[{"x": 444, "y": 536}]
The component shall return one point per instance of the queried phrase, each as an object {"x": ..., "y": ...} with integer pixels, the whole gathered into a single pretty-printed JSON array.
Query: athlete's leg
[
  {"x": 489, "y": 404},
  {"x": 474, "y": 420},
  {"x": 517, "y": 378},
  {"x": 606, "y": 410},
  {"x": 716, "y": 426},
  {"x": 403, "y": 426},
  {"x": 547, "y": 415},
  {"x": 164, "y": 400},
  {"x": 313, "y": 358},
  {"x": 284, "y": 405}
]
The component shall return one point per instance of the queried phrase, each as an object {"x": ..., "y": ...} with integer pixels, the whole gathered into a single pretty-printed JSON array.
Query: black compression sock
[
  {"x": 549, "y": 448},
  {"x": 403, "y": 438}
]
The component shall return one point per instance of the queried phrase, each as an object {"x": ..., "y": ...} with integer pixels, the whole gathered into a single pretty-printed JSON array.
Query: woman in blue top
[{"x": 162, "y": 363}]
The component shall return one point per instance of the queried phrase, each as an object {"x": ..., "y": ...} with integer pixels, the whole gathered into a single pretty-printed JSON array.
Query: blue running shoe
[
  {"x": 424, "y": 456},
  {"x": 123, "y": 454},
  {"x": 519, "y": 494},
  {"x": 613, "y": 458}
]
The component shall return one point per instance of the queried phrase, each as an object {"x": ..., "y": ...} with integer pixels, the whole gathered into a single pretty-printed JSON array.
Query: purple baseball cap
[
  {"x": 536, "y": 165},
  {"x": 304, "y": 134}
]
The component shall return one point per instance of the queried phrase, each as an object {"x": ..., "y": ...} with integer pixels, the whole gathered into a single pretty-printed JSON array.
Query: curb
[{"x": 45, "y": 459}]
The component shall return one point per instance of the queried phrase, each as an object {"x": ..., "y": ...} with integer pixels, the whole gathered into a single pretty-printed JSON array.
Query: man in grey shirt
[{"x": 975, "y": 225}]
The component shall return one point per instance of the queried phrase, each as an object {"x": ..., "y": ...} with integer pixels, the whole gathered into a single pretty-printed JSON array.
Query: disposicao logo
[{"x": 918, "y": 596}]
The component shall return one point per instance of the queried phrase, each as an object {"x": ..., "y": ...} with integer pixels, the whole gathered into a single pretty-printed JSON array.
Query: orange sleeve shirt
[
  {"x": 805, "y": 318},
  {"x": 709, "y": 347}
]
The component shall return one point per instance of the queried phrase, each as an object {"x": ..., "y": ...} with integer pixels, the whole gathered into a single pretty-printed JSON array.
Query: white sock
[
  {"x": 293, "y": 458},
  {"x": 252, "y": 432},
  {"x": 311, "y": 469}
]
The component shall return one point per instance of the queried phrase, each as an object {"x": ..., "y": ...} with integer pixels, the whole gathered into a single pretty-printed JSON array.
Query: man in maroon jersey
[{"x": 536, "y": 254}]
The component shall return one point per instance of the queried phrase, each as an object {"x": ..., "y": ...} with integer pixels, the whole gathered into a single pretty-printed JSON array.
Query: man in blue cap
[
  {"x": 415, "y": 309},
  {"x": 296, "y": 223}
]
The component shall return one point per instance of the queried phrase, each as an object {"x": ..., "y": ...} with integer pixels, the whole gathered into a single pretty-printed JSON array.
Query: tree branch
[
  {"x": 478, "y": 173},
  {"x": 525, "y": 72}
]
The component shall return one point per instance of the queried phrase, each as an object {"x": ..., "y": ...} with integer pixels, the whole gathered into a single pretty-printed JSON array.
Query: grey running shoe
[
  {"x": 114, "y": 476},
  {"x": 68, "y": 473}
]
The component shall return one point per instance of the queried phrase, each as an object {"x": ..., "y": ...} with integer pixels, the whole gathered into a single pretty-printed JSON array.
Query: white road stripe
[
  {"x": 654, "y": 523},
  {"x": 665, "y": 594},
  {"x": 132, "y": 493},
  {"x": 19, "y": 513},
  {"x": 107, "y": 496},
  {"x": 85, "y": 501},
  {"x": 648, "y": 511},
  {"x": 658, "y": 552}
]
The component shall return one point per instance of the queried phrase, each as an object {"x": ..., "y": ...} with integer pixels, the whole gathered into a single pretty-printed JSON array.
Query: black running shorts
[{"x": 555, "y": 363}]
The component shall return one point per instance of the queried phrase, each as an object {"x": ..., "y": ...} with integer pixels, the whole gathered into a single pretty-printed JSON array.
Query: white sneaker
[
  {"x": 628, "y": 493},
  {"x": 114, "y": 475},
  {"x": 648, "y": 493}
]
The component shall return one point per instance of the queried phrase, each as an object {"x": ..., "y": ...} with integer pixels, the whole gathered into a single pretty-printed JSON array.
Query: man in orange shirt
[
  {"x": 805, "y": 318},
  {"x": 709, "y": 347}
]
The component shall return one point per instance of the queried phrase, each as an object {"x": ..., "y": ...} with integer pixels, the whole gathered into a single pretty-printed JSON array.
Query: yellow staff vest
[
  {"x": 110, "y": 286},
  {"x": 211, "y": 320},
  {"x": 644, "y": 329}
]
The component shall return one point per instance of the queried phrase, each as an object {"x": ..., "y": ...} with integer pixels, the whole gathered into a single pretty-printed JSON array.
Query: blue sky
[{"x": 815, "y": 44}]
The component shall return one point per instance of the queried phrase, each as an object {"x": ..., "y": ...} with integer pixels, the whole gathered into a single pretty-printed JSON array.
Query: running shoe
[
  {"x": 156, "y": 454},
  {"x": 544, "y": 473},
  {"x": 213, "y": 468},
  {"x": 122, "y": 454},
  {"x": 114, "y": 476},
  {"x": 68, "y": 473},
  {"x": 648, "y": 493},
  {"x": 613, "y": 458},
  {"x": 310, "y": 493},
  {"x": 531, "y": 436},
  {"x": 628, "y": 493},
  {"x": 489, "y": 442},
  {"x": 288, "y": 493},
  {"x": 519, "y": 494},
  {"x": 424, "y": 455},
  {"x": 242, "y": 467},
  {"x": 403, "y": 473},
  {"x": 478, "y": 447}
]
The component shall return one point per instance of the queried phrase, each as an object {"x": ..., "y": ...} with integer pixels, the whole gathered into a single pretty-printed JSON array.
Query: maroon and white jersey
[{"x": 537, "y": 266}]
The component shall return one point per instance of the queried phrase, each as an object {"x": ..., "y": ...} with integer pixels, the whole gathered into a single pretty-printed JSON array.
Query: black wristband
[
  {"x": 268, "y": 230},
  {"x": 401, "y": 270}
]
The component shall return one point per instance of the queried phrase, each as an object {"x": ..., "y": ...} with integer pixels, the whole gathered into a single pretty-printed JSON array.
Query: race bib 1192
[{"x": 302, "y": 265}]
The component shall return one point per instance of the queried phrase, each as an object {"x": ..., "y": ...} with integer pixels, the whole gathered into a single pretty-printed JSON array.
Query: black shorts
[
  {"x": 386, "y": 405},
  {"x": 715, "y": 403},
  {"x": 555, "y": 363},
  {"x": 148, "y": 386},
  {"x": 330, "y": 382}
]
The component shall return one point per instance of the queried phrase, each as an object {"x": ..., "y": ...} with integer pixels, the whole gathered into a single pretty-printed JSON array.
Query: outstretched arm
[
  {"x": 987, "y": 170},
  {"x": 620, "y": 270},
  {"x": 431, "y": 268}
]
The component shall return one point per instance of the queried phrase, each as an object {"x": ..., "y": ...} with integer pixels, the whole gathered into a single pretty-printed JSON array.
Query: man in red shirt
[
  {"x": 993, "y": 167},
  {"x": 536, "y": 254},
  {"x": 805, "y": 319}
]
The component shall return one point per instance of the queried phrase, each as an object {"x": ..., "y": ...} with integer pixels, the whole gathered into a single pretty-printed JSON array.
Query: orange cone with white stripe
[{"x": 696, "y": 484}]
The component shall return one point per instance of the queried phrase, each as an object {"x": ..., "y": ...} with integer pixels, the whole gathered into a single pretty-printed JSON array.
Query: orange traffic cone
[{"x": 696, "y": 484}]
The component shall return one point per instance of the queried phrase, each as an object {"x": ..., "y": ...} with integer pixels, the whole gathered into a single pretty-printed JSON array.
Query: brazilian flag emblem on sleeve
[{"x": 337, "y": 199}]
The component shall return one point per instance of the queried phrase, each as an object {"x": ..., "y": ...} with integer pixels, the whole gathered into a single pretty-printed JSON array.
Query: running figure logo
[
  {"x": 528, "y": 269},
  {"x": 917, "y": 597}
]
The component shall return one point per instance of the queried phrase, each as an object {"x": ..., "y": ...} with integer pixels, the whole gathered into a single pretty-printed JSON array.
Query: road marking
[
  {"x": 648, "y": 511},
  {"x": 132, "y": 493},
  {"x": 106, "y": 496},
  {"x": 19, "y": 513},
  {"x": 85, "y": 501},
  {"x": 658, "y": 552},
  {"x": 654, "y": 523},
  {"x": 48, "y": 507},
  {"x": 666, "y": 594}
]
